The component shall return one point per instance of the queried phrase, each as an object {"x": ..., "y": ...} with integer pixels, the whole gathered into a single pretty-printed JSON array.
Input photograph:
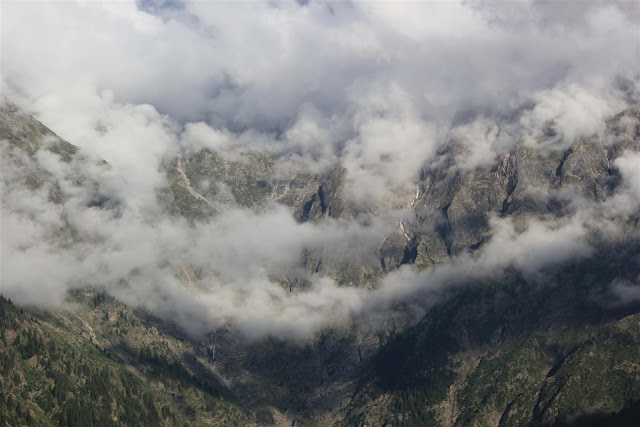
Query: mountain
[
  {"x": 503, "y": 343},
  {"x": 104, "y": 365}
]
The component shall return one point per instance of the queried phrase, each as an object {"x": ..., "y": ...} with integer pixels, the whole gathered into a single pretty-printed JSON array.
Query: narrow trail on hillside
[{"x": 187, "y": 183}]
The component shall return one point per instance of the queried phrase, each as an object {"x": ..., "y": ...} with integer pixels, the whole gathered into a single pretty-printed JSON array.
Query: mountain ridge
[{"x": 346, "y": 376}]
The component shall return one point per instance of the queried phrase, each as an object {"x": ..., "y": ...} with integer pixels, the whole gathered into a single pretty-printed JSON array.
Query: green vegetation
[
  {"x": 47, "y": 381},
  {"x": 52, "y": 375}
]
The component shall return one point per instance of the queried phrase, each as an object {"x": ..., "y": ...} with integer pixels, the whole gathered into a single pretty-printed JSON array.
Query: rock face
[
  {"x": 199, "y": 181},
  {"x": 26, "y": 135},
  {"x": 522, "y": 185},
  {"x": 451, "y": 209},
  {"x": 326, "y": 201},
  {"x": 22, "y": 130}
]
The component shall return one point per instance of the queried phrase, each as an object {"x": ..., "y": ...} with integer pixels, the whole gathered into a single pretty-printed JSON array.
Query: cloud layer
[{"x": 378, "y": 87}]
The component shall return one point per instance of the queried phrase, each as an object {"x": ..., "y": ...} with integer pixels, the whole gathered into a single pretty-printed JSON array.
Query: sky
[{"x": 380, "y": 88}]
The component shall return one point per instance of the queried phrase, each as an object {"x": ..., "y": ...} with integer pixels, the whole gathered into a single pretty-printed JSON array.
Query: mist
[{"x": 380, "y": 89}]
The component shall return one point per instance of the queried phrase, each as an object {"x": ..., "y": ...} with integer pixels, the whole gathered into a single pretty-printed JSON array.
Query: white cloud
[
  {"x": 376, "y": 87},
  {"x": 561, "y": 115}
]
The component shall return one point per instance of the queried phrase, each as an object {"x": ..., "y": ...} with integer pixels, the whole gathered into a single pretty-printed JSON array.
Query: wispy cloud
[{"x": 380, "y": 88}]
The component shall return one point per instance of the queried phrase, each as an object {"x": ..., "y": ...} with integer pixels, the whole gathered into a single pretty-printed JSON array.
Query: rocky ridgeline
[{"x": 451, "y": 208}]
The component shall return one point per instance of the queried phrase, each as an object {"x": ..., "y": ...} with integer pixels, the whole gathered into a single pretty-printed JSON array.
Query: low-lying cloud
[{"x": 378, "y": 88}]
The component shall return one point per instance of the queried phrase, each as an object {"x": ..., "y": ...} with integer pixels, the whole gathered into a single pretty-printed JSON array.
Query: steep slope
[
  {"x": 197, "y": 377},
  {"x": 59, "y": 369},
  {"x": 508, "y": 349},
  {"x": 97, "y": 363},
  {"x": 200, "y": 184},
  {"x": 512, "y": 351},
  {"x": 553, "y": 348}
]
